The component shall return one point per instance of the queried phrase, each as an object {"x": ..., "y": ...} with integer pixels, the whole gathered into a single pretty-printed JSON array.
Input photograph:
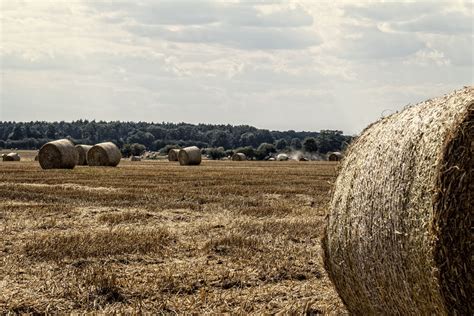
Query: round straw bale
[
  {"x": 189, "y": 156},
  {"x": 173, "y": 154},
  {"x": 398, "y": 238},
  {"x": 135, "y": 158},
  {"x": 104, "y": 154},
  {"x": 58, "y": 154},
  {"x": 282, "y": 157},
  {"x": 271, "y": 159},
  {"x": 239, "y": 157},
  {"x": 11, "y": 157},
  {"x": 82, "y": 154},
  {"x": 335, "y": 156}
]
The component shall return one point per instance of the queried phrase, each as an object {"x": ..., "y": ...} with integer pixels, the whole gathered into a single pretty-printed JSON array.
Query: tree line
[{"x": 135, "y": 137}]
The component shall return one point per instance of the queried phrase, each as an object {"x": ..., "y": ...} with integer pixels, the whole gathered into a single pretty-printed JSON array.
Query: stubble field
[{"x": 241, "y": 237}]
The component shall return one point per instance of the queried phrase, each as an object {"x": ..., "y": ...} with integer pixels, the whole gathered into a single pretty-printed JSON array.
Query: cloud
[
  {"x": 163, "y": 12},
  {"x": 459, "y": 50},
  {"x": 392, "y": 11},
  {"x": 242, "y": 38},
  {"x": 187, "y": 12},
  {"x": 372, "y": 43},
  {"x": 237, "y": 25},
  {"x": 275, "y": 64},
  {"x": 438, "y": 23}
]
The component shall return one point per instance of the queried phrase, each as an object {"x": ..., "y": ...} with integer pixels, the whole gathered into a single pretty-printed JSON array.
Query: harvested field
[{"x": 158, "y": 237}]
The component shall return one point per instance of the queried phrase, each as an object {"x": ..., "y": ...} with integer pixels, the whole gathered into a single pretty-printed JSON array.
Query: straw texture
[
  {"x": 335, "y": 156},
  {"x": 58, "y": 154},
  {"x": 190, "y": 156},
  {"x": 11, "y": 157},
  {"x": 82, "y": 154},
  {"x": 104, "y": 154},
  {"x": 398, "y": 238},
  {"x": 173, "y": 154},
  {"x": 239, "y": 157},
  {"x": 282, "y": 157}
]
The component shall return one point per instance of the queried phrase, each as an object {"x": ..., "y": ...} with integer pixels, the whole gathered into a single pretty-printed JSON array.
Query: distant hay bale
[
  {"x": 271, "y": 159},
  {"x": 104, "y": 154},
  {"x": 399, "y": 233},
  {"x": 239, "y": 157},
  {"x": 303, "y": 159},
  {"x": 135, "y": 158},
  {"x": 335, "y": 156},
  {"x": 189, "y": 156},
  {"x": 173, "y": 154},
  {"x": 58, "y": 154},
  {"x": 11, "y": 157},
  {"x": 151, "y": 156},
  {"x": 282, "y": 157},
  {"x": 82, "y": 154}
]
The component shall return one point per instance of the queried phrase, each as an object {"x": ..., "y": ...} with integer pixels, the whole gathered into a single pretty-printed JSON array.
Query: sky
[{"x": 280, "y": 65}]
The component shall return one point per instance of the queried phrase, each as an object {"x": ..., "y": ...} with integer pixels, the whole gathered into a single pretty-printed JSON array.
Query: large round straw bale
[
  {"x": 239, "y": 157},
  {"x": 335, "y": 156},
  {"x": 282, "y": 157},
  {"x": 104, "y": 154},
  {"x": 11, "y": 157},
  {"x": 173, "y": 154},
  {"x": 189, "y": 156},
  {"x": 399, "y": 233},
  {"x": 58, "y": 154},
  {"x": 82, "y": 154}
]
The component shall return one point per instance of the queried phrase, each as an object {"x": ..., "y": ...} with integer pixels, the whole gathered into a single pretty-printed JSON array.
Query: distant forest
[{"x": 162, "y": 136}]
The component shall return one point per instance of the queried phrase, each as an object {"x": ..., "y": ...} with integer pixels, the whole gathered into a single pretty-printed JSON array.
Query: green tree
[
  {"x": 17, "y": 133},
  {"x": 141, "y": 137},
  {"x": 281, "y": 144},
  {"x": 310, "y": 145},
  {"x": 51, "y": 131},
  {"x": 137, "y": 149},
  {"x": 248, "y": 139},
  {"x": 215, "y": 153},
  {"x": 220, "y": 138},
  {"x": 249, "y": 151},
  {"x": 157, "y": 131},
  {"x": 330, "y": 141},
  {"x": 264, "y": 150},
  {"x": 296, "y": 144},
  {"x": 126, "y": 150}
]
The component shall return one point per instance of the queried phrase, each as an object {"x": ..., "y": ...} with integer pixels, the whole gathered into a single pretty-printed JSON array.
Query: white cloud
[
  {"x": 438, "y": 23},
  {"x": 393, "y": 11},
  {"x": 242, "y": 38},
  {"x": 275, "y": 64},
  {"x": 373, "y": 43}
]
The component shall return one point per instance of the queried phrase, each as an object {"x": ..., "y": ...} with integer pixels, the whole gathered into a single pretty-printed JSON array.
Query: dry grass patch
[
  {"x": 115, "y": 218},
  {"x": 219, "y": 238},
  {"x": 96, "y": 243},
  {"x": 234, "y": 244},
  {"x": 291, "y": 229}
]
